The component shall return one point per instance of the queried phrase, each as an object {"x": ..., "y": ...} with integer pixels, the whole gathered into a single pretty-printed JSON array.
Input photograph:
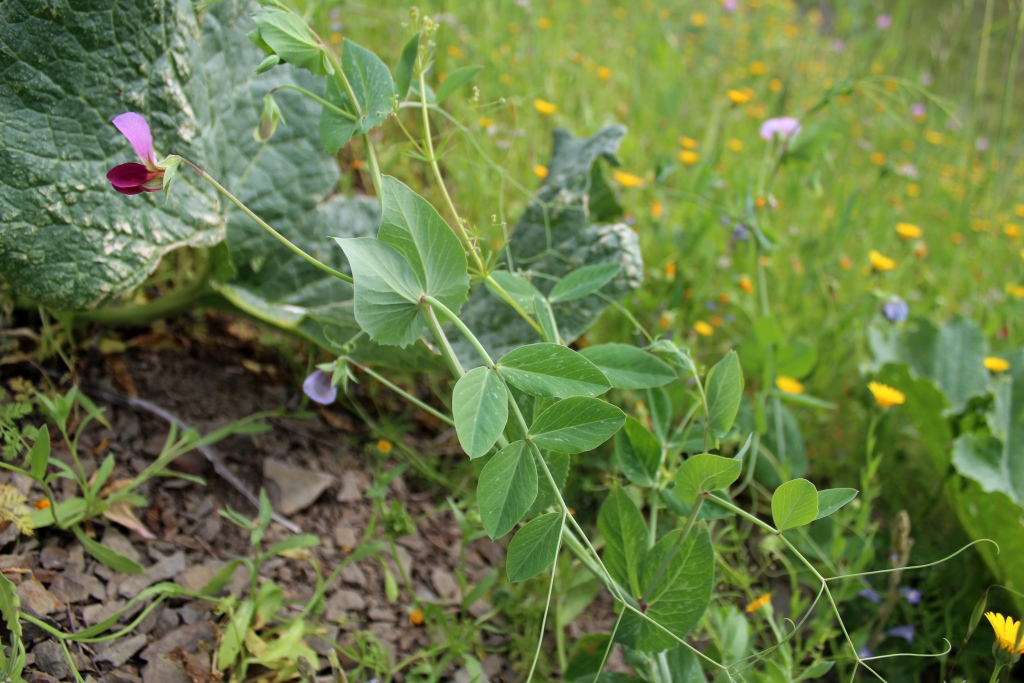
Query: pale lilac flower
[
  {"x": 904, "y": 632},
  {"x": 884, "y": 21},
  {"x": 981, "y": 144},
  {"x": 912, "y": 595},
  {"x": 729, "y": 5},
  {"x": 864, "y": 653},
  {"x": 870, "y": 594},
  {"x": 895, "y": 310},
  {"x": 926, "y": 78},
  {"x": 740, "y": 233},
  {"x": 908, "y": 170},
  {"x": 917, "y": 111},
  {"x": 319, "y": 388},
  {"x": 838, "y": 46},
  {"x": 133, "y": 178},
  {"x": 785, "y": 127}
]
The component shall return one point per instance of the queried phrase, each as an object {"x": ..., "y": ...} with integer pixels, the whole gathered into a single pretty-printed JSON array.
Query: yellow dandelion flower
[
  {"x": 879, "y": 262},
  {"x": 627, "y": 179},
  {"x": 877, "y": 158},
  {"x": 416, "y": 617},
  {"x": 656, "y": 208},
  {"x": 757, "y": 68},
  {"x": 544, "y": 23},
  {"x": 455, "y": 52},
  {"x": 913, "y": 190},
  {"x": 739, "y": 96},
  {"x": 540, "y": 171},
  {"x": 746, "y": 285},
  {"x": 384, "y": 446},
  {"x": 544, "y": 108},
  {"x": 1016, "y": 290},
  {"x": 604, "y": 73},
  {"x": 759, "y": 602},
  {"x": 957, "y": 238},
  {"x": 670, "y": 270},
  {"x": 735, "y": 145},
  {"x": 703, "y": 329},
  {"x": 934, "y": 137},
  {"x": 689, "y": 157},
  {"x": 485, "y": 122},
  {"x": 788, "y": 385},
  {"x": 995, "y": 364},
  {"x": 886, "y": 396},
  {"x": 687, "y": 143},
  {"x": 1011, "y": 230},
  {"x": 775, "y": 85},
  {"x": 698, "y": 19},
  {"x": 1006, "y": 631},
  {"x": 908, "y": 231},
  {"x": 845, "y": 263}
]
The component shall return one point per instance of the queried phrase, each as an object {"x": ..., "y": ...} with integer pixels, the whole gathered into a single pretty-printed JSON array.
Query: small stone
[
  {"x": 36, "y": 600},
  {"x": 353, "y": 483},
  {"x": 168, "y": 621},
  {"x": 50, "y": 659},
  {"x": 13, "y": 562},
  {"x": 342, "y": 602},
  {"x": 382, "y": 614},
  {"x": 345, "y": 537},
  {"x": 114, "y": 540},
  {"x": 186, "y": 637},
  {"x": 323, "y": 643},
  {"x": 94, "y": 614},
  {"x": 405, "y": 558},
  {"x": 120, "y": 650},
  {"x": 479, "y": 608},
  {"x": 162, "y": 670},
  {"x": 150, "y": 621},
  {"x": 163, "y": 570},
  {"x": 38, "y": 676},
  {"x": 71, "y": 587},
  {"x": 53, "y": 557},
  {"x": 492, "y": 665},
  {"x": 444, "y": 582},
  {"x": 463, "y": 676},
  {"x": 195, "y": 612},
  {"x": 195, "y": 578},
  {"x": 295, "y": 488},
  {"x": 353, "y": 574}
]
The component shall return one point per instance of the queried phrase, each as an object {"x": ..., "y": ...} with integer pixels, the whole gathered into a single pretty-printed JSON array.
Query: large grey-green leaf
[
  {"x": 67, "y": 239},
  {"x": 554, "y": 236},
  {"x": 507, "y": 488},
  {"x": 951, "y": 354},
  {"x": 677, "y": 588}
]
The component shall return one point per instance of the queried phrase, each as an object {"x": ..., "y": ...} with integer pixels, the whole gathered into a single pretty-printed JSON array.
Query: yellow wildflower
[
  {"x": 485, "y": 122},
  {"x": 908, "y": 231},
  {"x": 913, "y": 190},
  {"x": 921, "y": 250},
  {"x": 746, "y": 285},
  {"x": 1019, "y": 210},
  {"x": 757, "y": 68},
  {"x": 759, "y": 602},
  {"x": 879, "y": 262},
  {"x": 336, "y": 38},
  {"x": 540, "y": 171},
  {"x": 544, "y": 23},
  {"x": 739, "y": 96},
  {"x": 670, "y": 270},
  {"x": 877, "y": 158},
  {"x": 845, "y": 263},
  {"x": 735, "y": 145},
  {"x": 957, "y": 238},
  {"x": 687, "y": 143},
  {"x": 716, "y": 321},
  {"x": 698, "y": 19},
  {"x": 775, "y": 85},
  {"x": 1016, "y": 290},
  {"x": 689, "y": 157},
  {"x": 886, "y": 396},
  {"x": 416, "y": 617},
  {"x": 544, "y": 108},
  {"x": 627, "y": 179},
  {"x": 454, "y": 52},
  {"x": 1011, "y": 230},
  {"x": 724, "y": 297},
  {"x": 604, "y": 73},
  {"x": 1006, "y": 631},
  {"x": 934, "y": 137},
  {"x": 656, "y": 208},
  {"x": 384, "y": 446},
  {"x": 994, "y": 364},
  {"x": 788, "y": 385},
  {"x": 703, "y": 329}
]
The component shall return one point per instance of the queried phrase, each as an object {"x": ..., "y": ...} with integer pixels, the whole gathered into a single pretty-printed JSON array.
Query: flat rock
[
  {"x": 345, "y": 537},
  {"x": 294, "y": 488},
  {"x": 37, "y": 600},
  {"x": 444, "y": 583},
  {"x": 353, "y": 574},
  {"x": 343, "y": 602},
  {"x": 162, "y": 670},
  {"x": 120, "y": 650},
  {"x": 163, "y": 570},
  {"x": 196, "y": 577},
  {"x": 186, "y": 637},
  {"x": 50, "y": 659},
  {"x": 94, "y": 614},
  {"x": 53, "y": 557},
  {"x": 71, "y": 587},
  {"x": 113, "y": 539},
  {"x": 353, "y": 484}
]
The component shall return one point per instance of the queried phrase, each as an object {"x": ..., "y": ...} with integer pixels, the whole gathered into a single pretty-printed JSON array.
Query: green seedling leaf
[
  {"x": 520, "y": 289},
  {"x": 625, "y": 537},
  {"x": 628, "y": 367},
  {"x": 507, "y": 488},
  {"x": 293, "y": 543},
  {"x": 234, "y": 635},
  {"x": 40, "y": 455},
  {"x": 111, "y": 558},
  {"x": 552, "y": 370},
  {"x": 455, "y": 80},
  {"x": 794, "y": 504},
  {"x": 575, "y": 425},
  {"x": 374, "y": 92},
  {"x": 406, "y": 64},
  {"x": 221, "y": 579},
  {"x": 102, "y": 474},
  {"x": 678, "y": 598},
  {"x": 637, "y": 453},
  {"x": 534, "y": 547},
  {"x": 480, "y": 408},
  {"x": 583, "y": 282},
  {"x": 724, "y": 391},
  {"x": 705, "y": 473},
  {"x": 830, "y": 500},
  {"x": 292, "y": 40}
]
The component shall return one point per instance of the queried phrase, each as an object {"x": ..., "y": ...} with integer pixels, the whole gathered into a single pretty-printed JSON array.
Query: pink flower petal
[
  {"x": 128, "y": 175},
  {"x": 135, "y": 128}
]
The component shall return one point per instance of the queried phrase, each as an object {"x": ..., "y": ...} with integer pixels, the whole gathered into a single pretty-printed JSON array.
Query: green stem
[
  {"x": 371, "y": 157},
  {"x": 465, "y": 331},
  {"x": 995, "y": 673},
  {"x": 337, "y": 110},
  {"x": 547, "y": 606},
  {"x": 442, "y": 342},
  {"x": 403, "y": 393},
  {"x": 263, "y": 224}
]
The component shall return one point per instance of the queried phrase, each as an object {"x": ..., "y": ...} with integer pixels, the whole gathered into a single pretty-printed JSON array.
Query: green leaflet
[
  {"x": 705, "y": 473},
  {"x": 625, "y": 538},
  {"x": 552, "y": 370},
  {"x": 583, "y": 282},
  {"x": 507, "y": 488},
  {"x": 637, "y": 453},
  {"x": 575, "y": 425},
  {"x": 830, "y": 500},
  {"x": 534, "y": 547},
  {"x": 374, "y": 93},
  {"x": 628, "y": 367},
  {"x": 480, "y": 409},
  {"x": 794, "y": 504},
  {"x": 724, "y": 387}
]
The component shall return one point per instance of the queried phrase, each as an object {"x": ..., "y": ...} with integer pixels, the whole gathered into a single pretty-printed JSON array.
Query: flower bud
[{"x": 268, "y": 120}]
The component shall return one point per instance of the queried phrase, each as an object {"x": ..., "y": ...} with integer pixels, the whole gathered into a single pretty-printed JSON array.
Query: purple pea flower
[
  {"x": 133, "y": 178},
  {"x": 319, "y": 388},
  {"x": 870, "y": 594},
  {"x": 895, "y": 310},
  {"x": 864, "y": 653},
  {"x": 884, "y": 21},
  {"x": 912, "y": 595},
  {"x": 904, "y": 632},
  {"x": 785, "y": 127}
]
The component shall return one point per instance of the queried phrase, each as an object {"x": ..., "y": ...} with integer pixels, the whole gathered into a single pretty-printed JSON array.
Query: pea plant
[{"x": 399, "y": 283}]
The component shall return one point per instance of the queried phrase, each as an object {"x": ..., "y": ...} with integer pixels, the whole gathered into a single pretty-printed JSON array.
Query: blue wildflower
[
  {"x": 904, "y": 632},
  {"x": 870, "y": 594},
  {"x": 319, "y": 388},
  {"x": 895, "y": 310},
  {"x": 912, "y": 595}
]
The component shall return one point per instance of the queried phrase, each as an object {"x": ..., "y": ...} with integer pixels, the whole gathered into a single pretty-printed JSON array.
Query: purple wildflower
[
  {"x": 895, "y": 310},
  {"x": 870, "y": 594},
  {"x": 917, "y": 111},
  {"x": 981, "y": 144},
  {"x": 884, "y": 21},
  {"x": 319, "y": 388},
  {"x": 133, "y": 178},
  {"x": 904, "y": 632},
  {"x": 729, "y": 5},
  {"x": 838, "y": 46},
  {"x": 912, "y": 595},
  {"x": 785, "y": 127},
  {"x": 864, "y": 653},
  {"x": 740, "y": 233}
]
